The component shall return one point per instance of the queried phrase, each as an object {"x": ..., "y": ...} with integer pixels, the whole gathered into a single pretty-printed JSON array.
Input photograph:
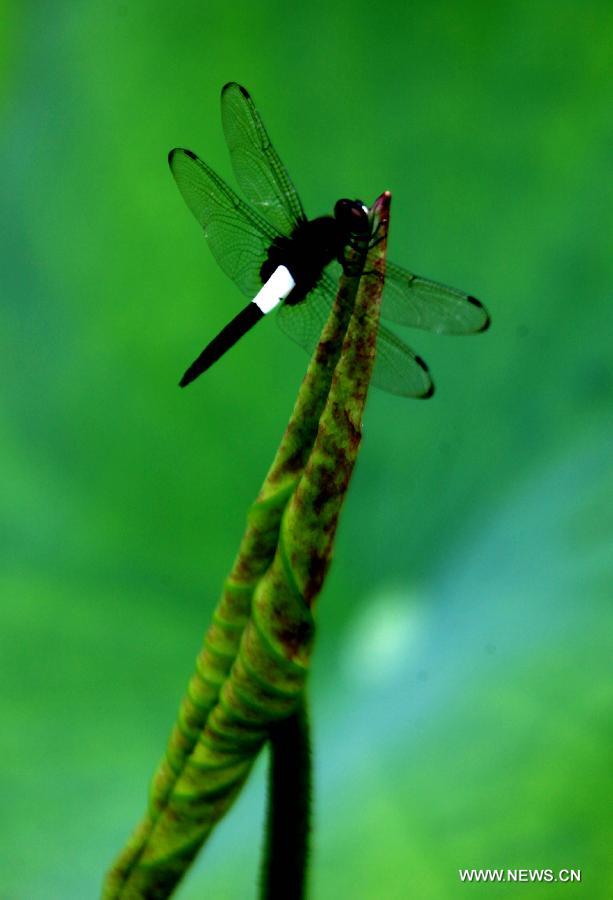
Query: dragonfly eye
[{"x": 352, "y": 215}]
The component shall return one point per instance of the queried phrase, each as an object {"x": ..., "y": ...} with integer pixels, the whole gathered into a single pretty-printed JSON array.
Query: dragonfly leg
[
  {"x": 354, "y": 271},
  {"x": 377, "y": 240},
  {"x": 374, "y": 273},
  {"x": 351, "y": 268},
  {"x": 374, "y": 240}
]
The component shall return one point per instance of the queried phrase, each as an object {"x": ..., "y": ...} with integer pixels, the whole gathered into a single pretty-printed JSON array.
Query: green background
[{"x": 460, "y": 686}]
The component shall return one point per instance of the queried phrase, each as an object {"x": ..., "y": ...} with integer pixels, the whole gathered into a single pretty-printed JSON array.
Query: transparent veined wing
[
  {"x": 397, "y": 369},
  {"x": 259, "y": 171},
  {"x": 420, "y": 303},
  {"x": 239, "y": 238},
  {"x": 304, "y": 322}
]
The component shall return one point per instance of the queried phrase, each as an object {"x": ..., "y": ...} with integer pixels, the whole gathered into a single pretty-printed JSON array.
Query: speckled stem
[{"x": 253, "y": 665}]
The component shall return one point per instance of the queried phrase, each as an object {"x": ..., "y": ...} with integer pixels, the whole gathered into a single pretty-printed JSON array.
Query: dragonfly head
[{"x": 352, "y": 216}]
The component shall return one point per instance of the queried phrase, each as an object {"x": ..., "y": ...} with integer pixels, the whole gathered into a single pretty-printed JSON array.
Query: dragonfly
[{"x": 282, "y": 260}]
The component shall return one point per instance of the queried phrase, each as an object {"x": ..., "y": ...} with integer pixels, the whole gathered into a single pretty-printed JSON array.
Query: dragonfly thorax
[{"x": 311, "y": 246}]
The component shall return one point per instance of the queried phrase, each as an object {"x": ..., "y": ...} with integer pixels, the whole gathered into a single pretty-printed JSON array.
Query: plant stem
[
  {"x": 284, "y": 863},
  {"x": 223, "y": 638},
  {"x": 252, "y": 670}
]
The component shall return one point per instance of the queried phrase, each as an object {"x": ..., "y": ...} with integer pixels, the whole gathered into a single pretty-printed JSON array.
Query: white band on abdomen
[{"x": 275, "y": 290}]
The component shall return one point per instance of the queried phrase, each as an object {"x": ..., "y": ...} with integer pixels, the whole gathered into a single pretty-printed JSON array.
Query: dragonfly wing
[
  {"x": 419, "y": 303},
  {"x": 397, "y": 369},
  {"x": 239, "y": 238},
  {"x": 304, "y": 322},
  {"x": 260, "y": 173}
]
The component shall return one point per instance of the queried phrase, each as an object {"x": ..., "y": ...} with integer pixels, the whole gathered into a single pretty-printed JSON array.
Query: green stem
[
  {"x": 284, "y": 863},
  {"x": 222, "y": 640}
]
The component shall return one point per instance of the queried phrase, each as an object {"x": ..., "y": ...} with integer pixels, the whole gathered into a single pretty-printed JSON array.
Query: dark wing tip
[
  {"x": 232, "y": 85},
  {"x": 429, "y": 393},
  {"x": 430, "y": 390},
  {"x": 177, "y": 151},
  {"x": 480, "y": 306},
  {"x": 487, "y": 322}
]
